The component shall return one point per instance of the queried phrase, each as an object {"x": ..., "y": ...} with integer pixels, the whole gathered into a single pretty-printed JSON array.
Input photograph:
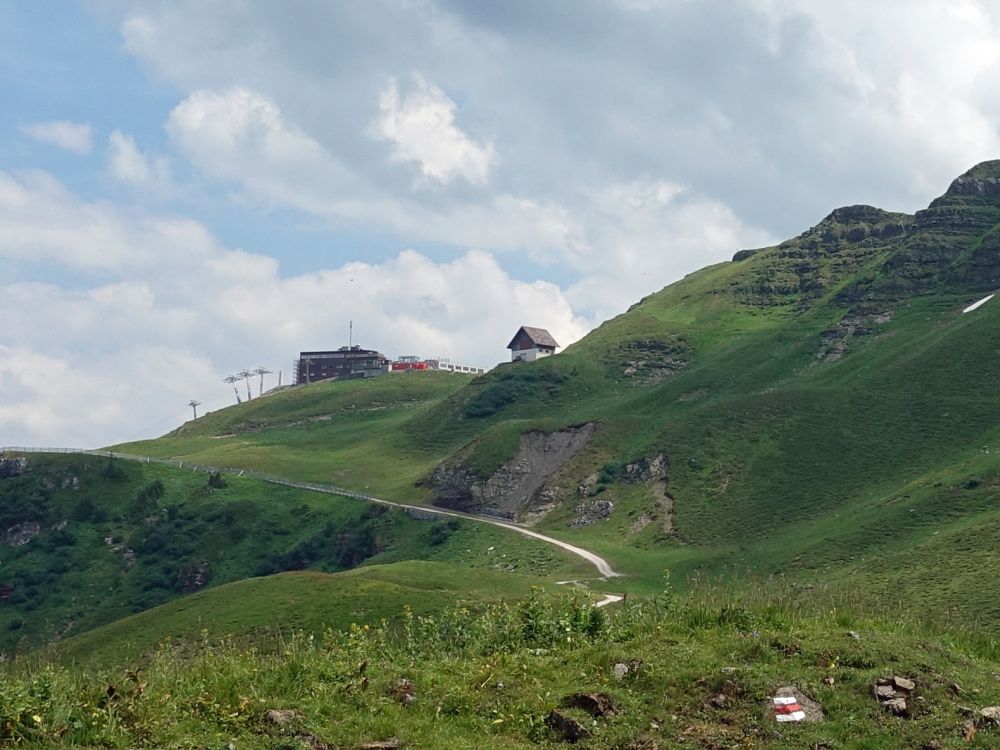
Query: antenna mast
[
  {"x": 350, "y": 335},
  {"x": 194, "y": 406}
]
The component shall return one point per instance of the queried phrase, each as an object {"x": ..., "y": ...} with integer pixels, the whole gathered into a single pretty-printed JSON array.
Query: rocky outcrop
[
  {"x": 834, "y": 341},
  {"x": 11, "y": 466},
  {"x": 517, "y": 487},
  {"x": 22, "y": 533},
  {"x": 982, "y": 180},
  {"x": 591, "y": 510},
  {"x": 648, "y": 362}
]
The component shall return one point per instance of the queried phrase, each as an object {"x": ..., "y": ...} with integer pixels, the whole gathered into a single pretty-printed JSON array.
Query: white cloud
[
  {"x": 239, "y": 134},
  {"x": 133, "y": 167},
  {"x": 421, "y": 128},
  {"x": 637, "y": 234},
  {"x": 42, "y": 222},
  {"x": 625, "y": 239},
  {"x": 95, "y": 362},
  {"x": 71, "y": 136}
]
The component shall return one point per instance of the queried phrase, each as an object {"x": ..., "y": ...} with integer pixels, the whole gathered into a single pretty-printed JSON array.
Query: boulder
[
  {"x": 595, "y": 704},
  {"x": 811, "y": 710},
  {"x": 990, "y": 715},
  {"x": 902, "y": 683},
  {"x": 896, "y": 706}
]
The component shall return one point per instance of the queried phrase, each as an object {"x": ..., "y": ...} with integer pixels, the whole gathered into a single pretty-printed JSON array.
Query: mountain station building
[{"x": 347, "y": 362}]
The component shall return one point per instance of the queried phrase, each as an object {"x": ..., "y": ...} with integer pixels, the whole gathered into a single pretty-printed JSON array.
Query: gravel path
[{"x": 602, "y": 565}]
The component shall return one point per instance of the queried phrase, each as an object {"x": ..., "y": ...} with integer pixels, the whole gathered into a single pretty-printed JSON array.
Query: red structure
[{"x": 408, "y": 366}]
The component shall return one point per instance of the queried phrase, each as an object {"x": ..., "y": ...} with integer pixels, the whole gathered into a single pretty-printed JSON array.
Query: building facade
[
  {"x": 530, "y": 344},
  {"x": 345, "y": 363}
]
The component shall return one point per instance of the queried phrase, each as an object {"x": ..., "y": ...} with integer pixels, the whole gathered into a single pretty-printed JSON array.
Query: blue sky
[{"x": 190, "y": 189}]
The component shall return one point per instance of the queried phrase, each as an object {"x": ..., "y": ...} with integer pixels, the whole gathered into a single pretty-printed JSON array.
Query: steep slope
[
  {"x": 821, "y": 408},
  {"x": 85, "y": 541}
]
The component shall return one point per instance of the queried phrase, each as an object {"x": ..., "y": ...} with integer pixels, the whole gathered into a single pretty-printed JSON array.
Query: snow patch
[{"x": 979, "y": 304}]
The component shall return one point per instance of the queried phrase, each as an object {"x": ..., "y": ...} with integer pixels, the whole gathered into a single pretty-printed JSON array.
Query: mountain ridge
[{"x": 845, "y": 341}]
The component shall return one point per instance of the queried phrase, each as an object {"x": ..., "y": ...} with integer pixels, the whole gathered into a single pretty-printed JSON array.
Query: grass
[
  {"x": 109, "y": 546},
  {"x": 261, "y": 609},
  {"x": 344, "y": 433},
  {"x": 489, "y": 679}
]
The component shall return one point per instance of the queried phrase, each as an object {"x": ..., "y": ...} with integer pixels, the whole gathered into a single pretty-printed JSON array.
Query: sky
[{"x": 191, "y": 189}]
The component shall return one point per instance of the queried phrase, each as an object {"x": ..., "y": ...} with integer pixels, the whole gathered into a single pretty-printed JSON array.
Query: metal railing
[{"x": 201, "y": 468}]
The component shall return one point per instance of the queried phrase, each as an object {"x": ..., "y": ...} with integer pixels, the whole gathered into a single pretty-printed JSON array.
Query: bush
[
  {"x": 519, "y": 383},
  {"x": 610, "y": 472}
]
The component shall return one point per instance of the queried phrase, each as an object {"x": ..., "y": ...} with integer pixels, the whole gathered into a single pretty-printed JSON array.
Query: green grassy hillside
[
  {"x": 85, "y": 541},
  {"x": 825, "y": 409},
  {"x": 347, "y": 433},
  {"x": 260, "y": 610}
]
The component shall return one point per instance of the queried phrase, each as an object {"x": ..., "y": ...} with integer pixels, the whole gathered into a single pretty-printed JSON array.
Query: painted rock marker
[{"x": 788, "y": 709}]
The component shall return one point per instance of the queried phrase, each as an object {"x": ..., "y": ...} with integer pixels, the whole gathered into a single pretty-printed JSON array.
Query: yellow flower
[{"x": 37, "y": 719}]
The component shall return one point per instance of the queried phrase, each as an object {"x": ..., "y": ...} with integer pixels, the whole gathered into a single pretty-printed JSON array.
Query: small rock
[
  {"x": 969, "y": 730},
  {"x": 990, "y": 715},
  {"x": 718, "y": 701},
  {"x": 312, "y": 741},
  {"x": 499, "y": 685},
  {"x": 390, "y": 744},
  {"x": 904, "y": 684},
  {"x": 896, "y": 706},
  {"x": 728, "y": 670},
  {"x": 619, "y": 670},
  {"x": 595, "y": 704},
  {"x": 570, "y": 729},
  {"x": 404, "y": 692},
  {"x": 281, "y": 717},
  {"x": 854, "y": 634},
  {"x": 828, "y": 681},
  {"x": 966, "y": 710},
  {"x": 955, "y": 688},
  {"x": 884, "y": 693}
]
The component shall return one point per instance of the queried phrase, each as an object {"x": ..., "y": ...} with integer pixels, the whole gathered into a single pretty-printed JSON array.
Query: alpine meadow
[{"x": 790, "y": 461}]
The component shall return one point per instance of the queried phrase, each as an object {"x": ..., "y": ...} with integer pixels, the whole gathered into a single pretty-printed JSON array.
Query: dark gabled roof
[{"x": 538, "y": 336}]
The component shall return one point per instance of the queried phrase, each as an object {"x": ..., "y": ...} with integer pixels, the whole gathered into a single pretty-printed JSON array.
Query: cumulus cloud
[
  {"x": 136, "y": 168},
  {"x": 117, "y": 357},
  {"x": 239, "y": 134},
  {"x": 421, "y": 128},
  {"x": 623, "y": 238},
  {"x": 70, "y": 136}
]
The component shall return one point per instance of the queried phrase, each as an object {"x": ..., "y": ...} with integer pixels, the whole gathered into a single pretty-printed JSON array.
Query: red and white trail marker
[{"x": 788, "y": 709}]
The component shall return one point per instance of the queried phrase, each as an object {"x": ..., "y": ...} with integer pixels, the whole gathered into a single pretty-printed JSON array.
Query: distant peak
[
  {"x": 858, "y": 215},
  {"x": 982, "y": 179}
]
